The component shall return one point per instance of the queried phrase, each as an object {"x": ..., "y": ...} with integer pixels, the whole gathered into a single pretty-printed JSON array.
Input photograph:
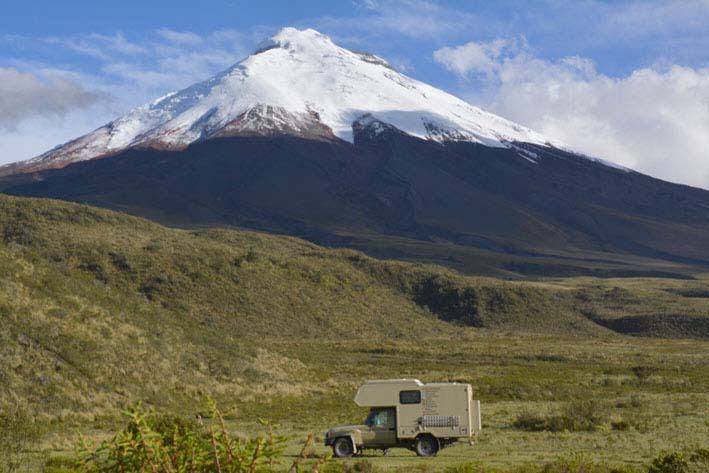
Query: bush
[
  {"x": 362, "y": 466},
  {"x": 584, "y": 416},
  {"x": 620, "y": 425},
  {"x": 643, "y": 373},
  {"x": 669, "y": 463},
  {"x": 530, "y": 422},
  {"x": 700, "y": 456},
  {"x": 152, "y": 442}
]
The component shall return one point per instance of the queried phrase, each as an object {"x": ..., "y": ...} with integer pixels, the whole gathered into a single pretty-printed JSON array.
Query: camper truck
[{"x": 407, "y": 413}]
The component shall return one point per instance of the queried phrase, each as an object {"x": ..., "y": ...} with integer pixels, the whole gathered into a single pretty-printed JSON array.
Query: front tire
[
  {"x": 426, "y": 446},
  {"x": 342, "y": 448}
]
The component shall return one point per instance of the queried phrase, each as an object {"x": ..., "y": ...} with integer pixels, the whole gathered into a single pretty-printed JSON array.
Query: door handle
[{"x": 393, "y": 429}]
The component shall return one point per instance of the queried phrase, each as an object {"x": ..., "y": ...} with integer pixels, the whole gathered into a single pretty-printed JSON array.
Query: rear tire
[
  {"x": 426, "y": 446},
  {"x": 342, "y": 447}
]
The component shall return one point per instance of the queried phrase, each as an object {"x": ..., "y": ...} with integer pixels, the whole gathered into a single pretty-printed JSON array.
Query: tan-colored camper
[{"x": 409, "y": 414}]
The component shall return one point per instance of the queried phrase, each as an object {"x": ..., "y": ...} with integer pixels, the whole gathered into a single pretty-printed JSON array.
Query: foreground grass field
[
  {"x": 652, "y": 396},
  {"x": 100, "y": 311}
]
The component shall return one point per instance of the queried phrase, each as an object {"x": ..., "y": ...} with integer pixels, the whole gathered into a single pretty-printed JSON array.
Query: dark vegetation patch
[
  {"x": 565, "y": 271},
  {"x": 692, "y": 292},
  {"x": 582, "y": 416},
  {"x": 669, "y": 325}
]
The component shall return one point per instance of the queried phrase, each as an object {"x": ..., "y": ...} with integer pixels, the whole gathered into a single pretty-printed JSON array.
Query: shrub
[
  {"x": 19, "y": 233},
  {"x": 575, "y": 417},
  {"x": 699, "y": 460},
  {"x": 362, "y": 466},
  {"x": 673, "y": 462},
  {"x": 153, "y": 442},
  {"x": 643, "y": 373},
  {"x": 584, "y": 416},
  {"x": 531, "y": 422},
  {"x": 700, "y": 455},
  {"x": 620, "y": 425}
]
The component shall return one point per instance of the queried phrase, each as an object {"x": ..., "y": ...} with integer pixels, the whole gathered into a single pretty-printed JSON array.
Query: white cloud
[
  {"x": 161, "y": 61},
  {"x": 474, "y": 57},
  {"x": 99, "y": 46},
  {"x": 179, "y": 37},
  {"x": 367, "y": 4},
  {"x": 24, "y": 95},
  {"x": 421, "y": 19},
  {"x": 654, "y": 120},
  {"x": 125, "y": 72}
]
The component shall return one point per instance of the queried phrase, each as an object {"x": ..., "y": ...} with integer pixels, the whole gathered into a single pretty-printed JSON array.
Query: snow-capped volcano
[
  {"x": 309, "y": 139},
  {"x": 297, "y": 82}
]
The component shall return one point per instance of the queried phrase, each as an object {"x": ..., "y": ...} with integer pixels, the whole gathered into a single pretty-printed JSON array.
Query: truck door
[{"x": 382, "y": 427}]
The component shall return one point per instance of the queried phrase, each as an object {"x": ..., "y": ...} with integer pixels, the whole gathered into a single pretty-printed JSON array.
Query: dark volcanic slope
[{"x": 389, "y": 186}]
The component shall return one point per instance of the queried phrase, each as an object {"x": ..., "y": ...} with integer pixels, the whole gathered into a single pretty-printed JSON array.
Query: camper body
[{"x": 409, "y": 414}]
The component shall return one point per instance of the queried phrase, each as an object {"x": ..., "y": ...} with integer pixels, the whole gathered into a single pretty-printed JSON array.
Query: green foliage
[
  {"x": 700, "y": 455},
  {"x": 164, "y": 443},
  {"x": 673, "y": 462}
]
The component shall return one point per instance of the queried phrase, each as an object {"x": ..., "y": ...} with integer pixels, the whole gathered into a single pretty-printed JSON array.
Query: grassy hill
[
  {"x": 99, "y": 310},
  {"x": 96, "y": 306}
]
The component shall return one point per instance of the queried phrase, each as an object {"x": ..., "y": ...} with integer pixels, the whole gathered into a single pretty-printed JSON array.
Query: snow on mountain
[{"x": 297, "y": 82}]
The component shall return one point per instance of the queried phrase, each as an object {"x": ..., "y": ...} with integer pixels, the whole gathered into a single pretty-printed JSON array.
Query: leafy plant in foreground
[{"x": 165, "y": 444}]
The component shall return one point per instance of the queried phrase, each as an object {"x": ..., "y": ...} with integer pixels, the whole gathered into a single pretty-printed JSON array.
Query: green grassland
[{"x": 99, "y": 311}]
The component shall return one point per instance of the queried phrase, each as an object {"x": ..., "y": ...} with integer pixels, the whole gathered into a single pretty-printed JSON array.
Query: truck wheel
[
  {"x": 426, "y": 446},
  {"x": 342, "y": 448}
]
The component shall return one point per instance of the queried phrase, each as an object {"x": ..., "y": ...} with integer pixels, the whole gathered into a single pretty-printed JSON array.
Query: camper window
[{"x": 410, "y": 397}]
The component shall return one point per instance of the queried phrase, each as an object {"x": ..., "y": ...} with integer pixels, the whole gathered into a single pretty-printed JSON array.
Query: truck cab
[{"x": 406, "y": 413}]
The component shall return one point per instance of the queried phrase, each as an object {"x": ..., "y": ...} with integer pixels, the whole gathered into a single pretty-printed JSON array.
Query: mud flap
[{"x": 354, "y": 445}]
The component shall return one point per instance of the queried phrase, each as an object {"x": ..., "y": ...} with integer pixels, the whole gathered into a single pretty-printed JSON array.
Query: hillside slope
[
  {"x": 98, "y": 308},
  {"x": 471, "y": 207}
]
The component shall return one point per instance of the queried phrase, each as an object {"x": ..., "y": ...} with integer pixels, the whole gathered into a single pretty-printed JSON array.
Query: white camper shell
[{"x": 445, "y": 410}]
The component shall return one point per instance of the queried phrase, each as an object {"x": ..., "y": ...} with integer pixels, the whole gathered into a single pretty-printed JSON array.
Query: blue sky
[{"x": 625, "y": 81}]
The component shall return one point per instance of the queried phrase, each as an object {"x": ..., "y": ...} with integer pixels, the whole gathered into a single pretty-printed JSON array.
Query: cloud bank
[
  {"x": 655, "y": 119},
  {"x": 43, "y": 106},
  {"x": 25, "y": 95}
]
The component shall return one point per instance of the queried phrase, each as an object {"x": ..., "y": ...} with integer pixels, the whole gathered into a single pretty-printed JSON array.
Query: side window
[
  {"x": 385, "y": 418},
  {"x": 410, "y": 397}
]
